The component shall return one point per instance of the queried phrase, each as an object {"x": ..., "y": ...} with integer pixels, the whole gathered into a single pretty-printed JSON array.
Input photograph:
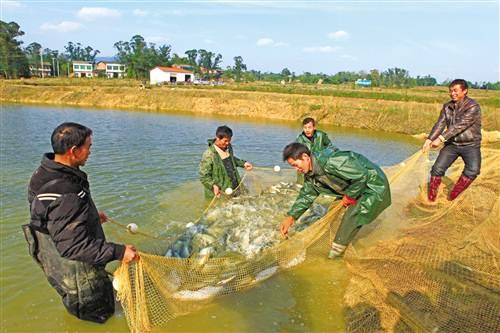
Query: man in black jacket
[
  {"x": 459, "y": 128},
  {"x": 65, "y": 235}
]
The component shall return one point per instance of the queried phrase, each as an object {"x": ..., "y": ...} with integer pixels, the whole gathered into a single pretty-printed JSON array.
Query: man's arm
[
  {"x": 304, "y": 200},
  {"x": 438, "y": 127},
  {"x": 326, "y": 141},
  {"x": 239, "y": 162},
  {"x": 68, "y": 227},
  {"x": 206, "y": 170}
]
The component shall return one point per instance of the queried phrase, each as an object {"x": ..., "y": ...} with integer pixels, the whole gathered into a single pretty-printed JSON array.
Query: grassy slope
[{"x": 409, "y": 111}]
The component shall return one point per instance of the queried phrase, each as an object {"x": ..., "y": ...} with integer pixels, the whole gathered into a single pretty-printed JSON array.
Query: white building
[
  {"x": 83, "y": 69},
  {"x": 111, "y": 70},
  {"x": 161, "y": 74}
]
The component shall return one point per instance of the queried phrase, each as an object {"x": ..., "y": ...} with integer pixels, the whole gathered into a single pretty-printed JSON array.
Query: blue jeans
[{"x": 471, "y": 155}]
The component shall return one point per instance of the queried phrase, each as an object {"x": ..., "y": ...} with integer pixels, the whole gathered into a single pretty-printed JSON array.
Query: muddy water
[{"x": 143, "y": 169}]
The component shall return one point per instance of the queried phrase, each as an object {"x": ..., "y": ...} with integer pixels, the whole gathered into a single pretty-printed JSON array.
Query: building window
[
  {"x": 122, "y": 68},
  {"x": 89, "y": 68},
  {"x": 115, "y": 68},
  {"x": 108, "y": 67}
]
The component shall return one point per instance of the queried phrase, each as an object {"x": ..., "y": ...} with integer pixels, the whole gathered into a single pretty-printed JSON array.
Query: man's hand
[
  {"x": 248, "y": 166},
  {"x": 436, "y": 143},
  {"x": 285, "y": 225},
  {"x": 103, "y": 217},
  {"x": 347, "y": 201},
  {"x": 216, "y": 190},
  {"x": 130, "y": 254},
  {"x": 426, "y": 146}
]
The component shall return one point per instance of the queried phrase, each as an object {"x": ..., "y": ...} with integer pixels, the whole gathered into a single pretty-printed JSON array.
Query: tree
[
  {"x": 285, "y": 72},
  {"x": 238, "y": 68},
  {"x": 192, "y": 55},
  {"x": 396, "y": 77},
  {"x": 140, "y": 57},
  {"x": 177, "y": 59},
  {"x": 374, "y": 76},
  {"x": 78, "y": 52},
  {"x": 13, "y": 61},
  {"x": 426, "y": 81}
]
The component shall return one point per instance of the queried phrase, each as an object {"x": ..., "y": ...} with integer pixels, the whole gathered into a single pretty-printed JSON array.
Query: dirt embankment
[{"x": 377, "y": 114}]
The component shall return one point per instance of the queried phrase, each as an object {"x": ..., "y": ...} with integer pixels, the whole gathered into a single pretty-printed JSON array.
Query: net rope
[{"x": 420, "y": 266}]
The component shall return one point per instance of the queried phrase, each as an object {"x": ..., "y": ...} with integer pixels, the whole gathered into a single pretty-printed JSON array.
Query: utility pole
[
  {"x": 57, "y": 60},
  {"x": 53, "y": 68},
  {"x": 41, "y": 61}
]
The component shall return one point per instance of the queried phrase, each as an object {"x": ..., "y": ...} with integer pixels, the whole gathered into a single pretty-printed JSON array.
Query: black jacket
[
  {"x": 61, "y": 206},
  {"x": 462, "y": 121}
]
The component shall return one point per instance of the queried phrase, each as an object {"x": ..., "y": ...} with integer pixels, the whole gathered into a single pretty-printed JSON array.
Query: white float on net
[{"x": 132, "y": 227}]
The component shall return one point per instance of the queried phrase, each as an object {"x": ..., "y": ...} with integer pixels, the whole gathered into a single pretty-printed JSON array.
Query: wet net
[{"x": 420, "y": 266}]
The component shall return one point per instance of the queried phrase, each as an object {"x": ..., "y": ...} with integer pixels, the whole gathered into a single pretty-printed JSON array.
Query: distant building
[
  {"x": 83, "y": 69},
  {"x": 184, "y": 66},
  {"x": 111, "y": 69},
  {"x": 161, "y": 74},
  {"x": 37, "y": 70},
  {"x": 217, "y": 72},
  {"x": 363, "y": 83}
]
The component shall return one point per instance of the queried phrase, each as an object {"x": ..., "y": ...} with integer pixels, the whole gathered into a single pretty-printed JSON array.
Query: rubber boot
[
  {"x": 433, "y": 188},
  {"x": 462, "y": 183},
  {"x": 336, "y": 251}
]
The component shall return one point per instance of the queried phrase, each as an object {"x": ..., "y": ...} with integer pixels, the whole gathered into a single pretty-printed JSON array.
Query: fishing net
[{"x": 417, "y": 267}]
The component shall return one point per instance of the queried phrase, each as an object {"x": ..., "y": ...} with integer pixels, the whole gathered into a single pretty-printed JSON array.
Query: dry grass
[{"x": 416, "y": 114}]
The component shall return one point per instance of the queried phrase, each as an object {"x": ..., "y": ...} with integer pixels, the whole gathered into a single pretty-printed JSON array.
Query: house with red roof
[{"x": 161, "y": 74}]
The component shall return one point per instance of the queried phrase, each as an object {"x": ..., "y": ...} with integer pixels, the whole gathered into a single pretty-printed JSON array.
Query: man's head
[
  {"x": 223, "y": 136},
  {"x": 298, "y": 156},
  {"x": 458, "y": 90},
  {"x": 309, "y": 126},
  {"x": 71, "y": 142}
]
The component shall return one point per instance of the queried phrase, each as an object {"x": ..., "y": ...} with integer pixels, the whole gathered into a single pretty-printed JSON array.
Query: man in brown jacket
[{"x": 459, "y": 128}]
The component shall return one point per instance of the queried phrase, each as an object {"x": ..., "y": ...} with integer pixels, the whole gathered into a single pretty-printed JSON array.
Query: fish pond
[{"x": 144, "y": 169}]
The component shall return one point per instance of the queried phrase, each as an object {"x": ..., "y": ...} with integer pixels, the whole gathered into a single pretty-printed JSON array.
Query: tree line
[{"x": 140, "y": 57}]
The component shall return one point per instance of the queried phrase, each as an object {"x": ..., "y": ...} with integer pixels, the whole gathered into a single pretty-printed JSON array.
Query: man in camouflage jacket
[{"x": 218, "y": 166}]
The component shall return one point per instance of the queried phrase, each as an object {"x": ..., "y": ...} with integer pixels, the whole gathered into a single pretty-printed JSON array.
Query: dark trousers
[
  {"x": 471, "y": 155},
  {"x": 348, "y": 229},
  {"x": 86, "y": 290}
]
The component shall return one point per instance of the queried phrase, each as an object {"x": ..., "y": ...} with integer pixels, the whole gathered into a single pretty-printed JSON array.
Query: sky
[{"x": 445, "y": 39}]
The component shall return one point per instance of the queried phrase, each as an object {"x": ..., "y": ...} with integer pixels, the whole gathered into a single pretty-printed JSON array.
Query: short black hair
[
  {"x": 461, "y": 82},
  {"x": 309, "y": 120},
  {"x": 295, "y": 150},
  {"x": 68, "y": 135},
  {"x": 223, "y": 132}
]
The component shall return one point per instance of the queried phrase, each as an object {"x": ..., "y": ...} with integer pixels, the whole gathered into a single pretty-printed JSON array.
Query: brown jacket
[{"x": 459, "y": 123}]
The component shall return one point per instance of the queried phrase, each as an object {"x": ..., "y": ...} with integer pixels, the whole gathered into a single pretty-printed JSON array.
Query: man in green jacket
[
  {"x": 314, "y": 139},
  {"x": 218, "y": 166},
  {"x": 360, "y": 183}
]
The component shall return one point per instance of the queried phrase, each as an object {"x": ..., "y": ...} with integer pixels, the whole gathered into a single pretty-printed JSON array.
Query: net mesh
[{"x": 417, "y": 267}]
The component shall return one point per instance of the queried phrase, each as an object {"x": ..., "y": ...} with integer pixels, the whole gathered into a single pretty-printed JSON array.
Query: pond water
[{"x": 143, "y": 169}]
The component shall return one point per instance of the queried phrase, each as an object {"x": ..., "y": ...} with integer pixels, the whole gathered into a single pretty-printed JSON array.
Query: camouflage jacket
[
  {"x": 340, "y": 173},
  {"x": 212, "y": 171}
]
